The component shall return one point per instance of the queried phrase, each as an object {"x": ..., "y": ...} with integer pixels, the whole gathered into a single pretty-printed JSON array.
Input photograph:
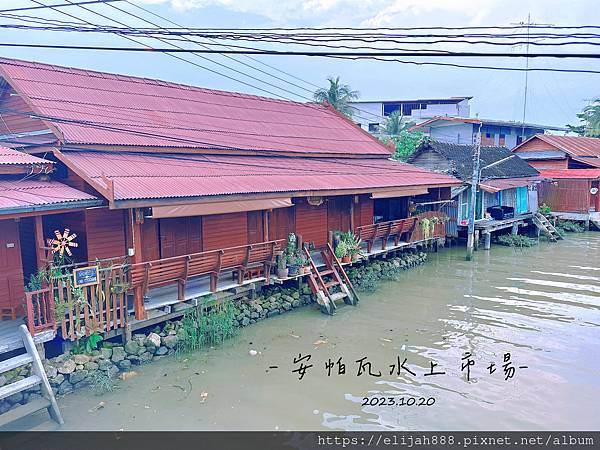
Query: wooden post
[
  {"x": 515, "y": 228},
  {"x": 39, "y": 243},
  {"x": 476, "y": 240},
  {"x": 352, "y": 214},
  {"x": 136, "y": 239},
  {"x": 266, "y": 215},
  {"x": 488, "y": 241}
]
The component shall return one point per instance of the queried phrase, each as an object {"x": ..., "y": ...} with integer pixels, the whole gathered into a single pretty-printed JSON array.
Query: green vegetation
[
  {"x": 570, "y": 226},
  {"x": 589, "y": 120},
  {"x": 516, "y": 240},
  {"x": 404, "y": 143},
  {"x": 202, "y": 327},
  {"x": 338, "y": 95},
  {"x": 341, "y": 249},
  {"x": 87, "y": 344},
  {"x": 544, "y": 209}
]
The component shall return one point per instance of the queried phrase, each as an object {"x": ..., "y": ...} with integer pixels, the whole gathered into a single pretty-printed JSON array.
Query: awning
[
  {"x": 203, "y": 209},
  {"x": 501, "y": 184},
  {"x": 400, "y": 192}
]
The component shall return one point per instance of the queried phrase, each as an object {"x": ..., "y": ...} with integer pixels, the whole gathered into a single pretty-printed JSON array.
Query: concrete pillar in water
[
  {"x": 476, "y": 240},
  {"x": 488, "y": 241},
  {"x": 515, "y": 228}
]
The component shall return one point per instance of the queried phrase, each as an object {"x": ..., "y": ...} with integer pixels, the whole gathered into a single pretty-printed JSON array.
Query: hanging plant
[{"x": 425, "y": 226}]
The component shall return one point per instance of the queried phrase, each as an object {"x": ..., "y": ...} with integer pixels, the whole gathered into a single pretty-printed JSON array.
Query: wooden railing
[
  {"x": 393, "y": 229},
  {"x": 92, "y": 309},
  {"x": 40, "y": 310},
  {"x": 243, "y": 260},
  {"x": 79, "y": 312}
]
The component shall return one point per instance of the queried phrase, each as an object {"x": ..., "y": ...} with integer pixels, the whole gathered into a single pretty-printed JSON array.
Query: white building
[{"x": 370, "y": 115}]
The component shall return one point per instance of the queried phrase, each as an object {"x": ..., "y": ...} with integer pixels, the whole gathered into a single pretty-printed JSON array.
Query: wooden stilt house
[{"x": 197, "y": 184}]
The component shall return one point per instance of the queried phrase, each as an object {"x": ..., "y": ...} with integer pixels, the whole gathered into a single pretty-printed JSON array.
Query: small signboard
[{"x": 86, "y": 276}]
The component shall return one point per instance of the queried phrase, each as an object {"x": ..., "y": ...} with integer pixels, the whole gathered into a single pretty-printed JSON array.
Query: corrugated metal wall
[{"x": 566, "y": 195}]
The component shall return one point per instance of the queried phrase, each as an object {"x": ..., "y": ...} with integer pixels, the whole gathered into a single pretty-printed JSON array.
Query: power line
[
  {"x": 146, "y": 48},
  {"x": 306, "y": 53},
  {"x": 58, "y": 5}
]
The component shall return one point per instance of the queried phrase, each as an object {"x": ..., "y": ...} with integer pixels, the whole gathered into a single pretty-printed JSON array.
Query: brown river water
[{"x": 541, "y": 305}]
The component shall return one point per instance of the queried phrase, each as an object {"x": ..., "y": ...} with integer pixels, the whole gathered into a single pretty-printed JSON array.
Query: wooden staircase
[
  {"x": 37, "y": 377},
  {"x": 546, "y": 227},
  {"x": 332, "y": 275}
]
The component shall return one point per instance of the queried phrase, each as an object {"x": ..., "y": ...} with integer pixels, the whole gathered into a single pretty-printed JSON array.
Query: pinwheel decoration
[{"x": 63, "y": 242}]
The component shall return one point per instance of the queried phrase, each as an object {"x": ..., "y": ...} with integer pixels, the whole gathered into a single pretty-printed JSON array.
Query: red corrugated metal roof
[
  {"x": 13, "y": 157},
  {"x": 18, "y": 194},
  {"x": 573, "y": 145},
  {"x": 152, "y": 176},
  {"x": 570, "y": 173},
  {"x": 102, "y": 108}
]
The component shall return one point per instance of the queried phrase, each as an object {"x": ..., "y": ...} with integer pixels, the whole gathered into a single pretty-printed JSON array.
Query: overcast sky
[{"x": 553, "y": 98}]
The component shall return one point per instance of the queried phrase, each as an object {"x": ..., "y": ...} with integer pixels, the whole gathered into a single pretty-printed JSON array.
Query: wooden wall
[
  {"x": 11, "y": 271},
  {"x": 150, "y": 240},
  {"x": 282, "y": 222},
  {"x": 180, "y": 236},
  {"x": 431, "y": 160},
  {"x": 549, "y": 163},
  {"x": 224, "y": 230},
  {"x": 256, "y": 226},
  {"x": 76, "y": 223},
  {"x": 338, "y": 213},
  {"x": 311, "y": 223},
  {"x": 105, "y": 233},
  {"x": 363, "y": 211},
  {"x": 566, "y": 195}
]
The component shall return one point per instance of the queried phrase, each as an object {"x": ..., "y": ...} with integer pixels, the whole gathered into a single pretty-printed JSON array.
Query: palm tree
[
  {"x": 395, "y": 124},
  {"x": 338, "y": 95}
]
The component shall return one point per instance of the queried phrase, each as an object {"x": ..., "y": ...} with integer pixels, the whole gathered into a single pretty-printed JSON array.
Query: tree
[
  {"x": 338, "y": 95},
  {"x": 405, "y": 143},
  {"x": 395, "y": 124},
  {"x": 590, "y": 118}
]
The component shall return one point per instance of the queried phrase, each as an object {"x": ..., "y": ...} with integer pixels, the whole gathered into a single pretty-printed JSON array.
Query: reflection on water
[{"x": 541, "y": 305}]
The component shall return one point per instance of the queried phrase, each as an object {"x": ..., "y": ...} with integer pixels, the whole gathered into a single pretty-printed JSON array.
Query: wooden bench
[
  {"x": 240, "y": 260},
  {"x": 395, "y": 229}
]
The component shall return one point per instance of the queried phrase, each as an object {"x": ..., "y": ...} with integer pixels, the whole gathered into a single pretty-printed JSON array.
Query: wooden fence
[{"x": 79, "y": 312}]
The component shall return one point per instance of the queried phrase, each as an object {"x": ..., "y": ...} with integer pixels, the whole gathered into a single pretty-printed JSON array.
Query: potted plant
[
  {"x": 282, "y": 270},
  {"x": 341, "y": 251},
  {"x": 353, "y": 246},
  {"x": 304, "y": 265},
  {"x": 293, "y": 265}
]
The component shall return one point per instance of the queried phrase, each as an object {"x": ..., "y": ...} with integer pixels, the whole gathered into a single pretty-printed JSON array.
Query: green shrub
[
  {"x": 202, "y": 327},
  {"x": 516, "y": 240},
  {"x": 570, "y": 226}
]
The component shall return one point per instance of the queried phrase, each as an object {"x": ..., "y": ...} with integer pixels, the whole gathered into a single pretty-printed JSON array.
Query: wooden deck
[
  {"x": 10, "y": 338},
  {"x": 489, "y": 226}
]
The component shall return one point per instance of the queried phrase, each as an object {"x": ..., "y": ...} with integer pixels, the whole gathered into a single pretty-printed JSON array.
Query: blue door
[{"x": 521, "y": 200}]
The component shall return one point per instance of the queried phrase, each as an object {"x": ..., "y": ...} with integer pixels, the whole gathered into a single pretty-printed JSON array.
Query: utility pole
[
  {"x": 474, "y": 184},
  {"x": 529, "y": 24}
]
